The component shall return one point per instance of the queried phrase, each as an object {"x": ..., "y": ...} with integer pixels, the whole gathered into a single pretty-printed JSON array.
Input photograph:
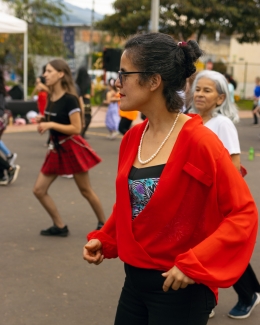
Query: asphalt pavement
[{"x": 45, "y": 280}]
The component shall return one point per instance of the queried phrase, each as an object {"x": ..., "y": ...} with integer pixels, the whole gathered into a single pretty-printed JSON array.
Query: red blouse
[{"x": 201, "y": 218}]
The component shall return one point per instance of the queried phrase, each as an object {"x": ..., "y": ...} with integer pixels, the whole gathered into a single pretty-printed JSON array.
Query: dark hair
[
  {"x": 44, "y": 69},
  {"x": 42, "y": 79},
  {"x": 67, "y": 82},
  {"x": 160, "y": 54},
  {"x": 83, "y": 80},
  {"x": 231, "y": 80},
  {"x": 112, "y": 83},
  {"x": 2, "y": 83}
]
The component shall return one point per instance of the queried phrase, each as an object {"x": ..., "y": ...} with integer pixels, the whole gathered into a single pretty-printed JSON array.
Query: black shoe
[
  {"x": 13, "y": 174},
  {"x": 55, "y": 231},
  {"x": 99, "y": 225}
]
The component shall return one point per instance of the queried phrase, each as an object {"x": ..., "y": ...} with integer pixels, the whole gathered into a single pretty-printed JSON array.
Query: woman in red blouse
[{"x": 184, "y": 222}]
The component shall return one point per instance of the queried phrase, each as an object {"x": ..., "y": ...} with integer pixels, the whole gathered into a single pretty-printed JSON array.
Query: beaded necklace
[{"x": 143, "y": 162}]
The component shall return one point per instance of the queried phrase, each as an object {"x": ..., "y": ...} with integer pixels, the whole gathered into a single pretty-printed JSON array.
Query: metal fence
[{"x": 245, "y": 74}]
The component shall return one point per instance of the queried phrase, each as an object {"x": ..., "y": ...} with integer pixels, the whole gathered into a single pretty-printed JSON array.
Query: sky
[{"x": 100, "y": 6}]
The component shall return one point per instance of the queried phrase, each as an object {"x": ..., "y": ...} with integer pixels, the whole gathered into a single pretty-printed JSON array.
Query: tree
[
  {"x": 130, "y": 17},
  {"x": 43, "y": 17},
  {"x": 202, "y": 17},
  {"x": 183, "y": 18}
]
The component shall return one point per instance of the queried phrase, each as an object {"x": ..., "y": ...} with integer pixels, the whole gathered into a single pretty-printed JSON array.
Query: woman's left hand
[
  {"x": 43, "y": 127},
  {"x": 176, "y": 279}
]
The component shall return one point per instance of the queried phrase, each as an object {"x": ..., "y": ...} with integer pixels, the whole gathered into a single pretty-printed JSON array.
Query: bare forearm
[
  {"x": 236, "y": 160},
  {"x": 67, "y": 129}
]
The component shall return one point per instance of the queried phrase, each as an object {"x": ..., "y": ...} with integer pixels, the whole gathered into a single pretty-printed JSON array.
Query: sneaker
[
  {"x": 11, "y": 159},
  {"x": 114, "y": 135},
  {"x": 212, "y": 314},
  {"x": 241, "y": 310},
  {"x": 99, "y": 225},
  {"x": 4, "y": 180},
  {"x": 13, "y": 174},
  {"x": 55, "y": 231}
]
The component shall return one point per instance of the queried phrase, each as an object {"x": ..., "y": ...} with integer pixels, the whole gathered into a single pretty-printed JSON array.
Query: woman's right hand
[
  {"x": 39, "y": 118},
  {"x": 92, "y": 252}
]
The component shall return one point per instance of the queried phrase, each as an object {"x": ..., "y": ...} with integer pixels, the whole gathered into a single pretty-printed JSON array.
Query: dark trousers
[
  {"x": 124, "y": 125},
  {"x": 143, "y": 302},
  {"x": 4, "y": 165},
  {"x": 87, "y": 117},
  {"x": 255, "y": 115},
  {"x": 247, "y": 285}
]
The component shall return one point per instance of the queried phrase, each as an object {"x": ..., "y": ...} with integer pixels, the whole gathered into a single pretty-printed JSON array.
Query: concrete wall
[{"x": 244, "y": 66}]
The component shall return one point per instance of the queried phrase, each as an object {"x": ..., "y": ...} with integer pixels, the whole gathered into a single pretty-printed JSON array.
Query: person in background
[
  {"x": 126, "y": 120},
  {"x": 231, "y": 88},
  {"x": 8, "y": 173},
  {"x": 184, "y": 222},
  {"x": 42, "y": 92},
  {"x": 112, "y": 116},
  {"x": 10, "y": 157},
  {"x": 188, "y": 94},
  {"x": 86, "y": 89},
  {"x": 211, "y": 100},
  {"x": 68, "y": 152},
  {"x": 256, "y": 100}
]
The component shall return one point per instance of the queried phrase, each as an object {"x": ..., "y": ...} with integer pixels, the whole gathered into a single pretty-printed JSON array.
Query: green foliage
[
  {"x": 31, "y": 74},
  {"x": 182, "y": 18},
  {"x": 245, "y": 105},
  {"x": 130, "y": 17},
  {"x": 42, "y": 16}
]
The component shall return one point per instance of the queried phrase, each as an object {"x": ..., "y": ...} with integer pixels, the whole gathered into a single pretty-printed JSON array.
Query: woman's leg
[
  {"x": 255, "y": 114},
  {"x": 116, "y": 118},
  {"x": 9, "y": 155},
  {"x": 4, "y": 165},
  {"x": 87, "y": 122},
  {"x": 83, "y": 182},
  {"x": 40, "y": 190},
  {"x": 247, "y": 285},
  {"x": 4, "y": 149}
]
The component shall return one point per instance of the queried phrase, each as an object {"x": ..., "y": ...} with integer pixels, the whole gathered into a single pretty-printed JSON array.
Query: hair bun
[
  {"x": 196, "y": 49},
  {"x": 192, "y": 52}
]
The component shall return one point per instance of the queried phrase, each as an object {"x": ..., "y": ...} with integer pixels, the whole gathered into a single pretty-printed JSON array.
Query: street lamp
[
  {"x": 91, "y": 36},
  {"x": 155, "y": 15}
]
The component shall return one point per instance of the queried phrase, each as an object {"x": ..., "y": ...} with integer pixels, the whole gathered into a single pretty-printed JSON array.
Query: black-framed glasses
[{"x": 121, "y": 73}]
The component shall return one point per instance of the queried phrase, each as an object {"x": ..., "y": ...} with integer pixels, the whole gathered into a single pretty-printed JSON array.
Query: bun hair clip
[{"x": 182, "y": 44}]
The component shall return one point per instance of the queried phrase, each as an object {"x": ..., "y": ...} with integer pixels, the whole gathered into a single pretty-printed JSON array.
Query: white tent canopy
[{"x": 13, "y": 25}]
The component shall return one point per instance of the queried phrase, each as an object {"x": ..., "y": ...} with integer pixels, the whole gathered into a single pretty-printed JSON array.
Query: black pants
[
  {"x": 247, "y": 285},
  {"x": 4, "y": 165},
  {"x": 87, "y": 117},
  {"x": 143, "y": 302},
  {"x": 124, "y": 125},
  {"x": 255, "y": 115}
]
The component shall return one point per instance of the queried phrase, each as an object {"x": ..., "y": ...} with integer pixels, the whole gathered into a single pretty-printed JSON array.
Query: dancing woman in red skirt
[{"x": 68, "y": 152}]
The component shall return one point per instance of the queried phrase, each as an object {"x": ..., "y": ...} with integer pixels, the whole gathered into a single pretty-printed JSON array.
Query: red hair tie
[{"x": 182, "y": 44}]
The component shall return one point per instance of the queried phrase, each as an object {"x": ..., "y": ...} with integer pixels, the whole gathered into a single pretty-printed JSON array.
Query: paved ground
[{"x": 45, "y": 280}]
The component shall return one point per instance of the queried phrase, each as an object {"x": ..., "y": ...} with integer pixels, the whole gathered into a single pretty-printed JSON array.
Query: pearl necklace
[{"x": 143, "y": 162}]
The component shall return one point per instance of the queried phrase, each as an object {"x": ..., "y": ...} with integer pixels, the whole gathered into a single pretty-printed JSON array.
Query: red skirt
[{"x": 75, "y": 156}]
